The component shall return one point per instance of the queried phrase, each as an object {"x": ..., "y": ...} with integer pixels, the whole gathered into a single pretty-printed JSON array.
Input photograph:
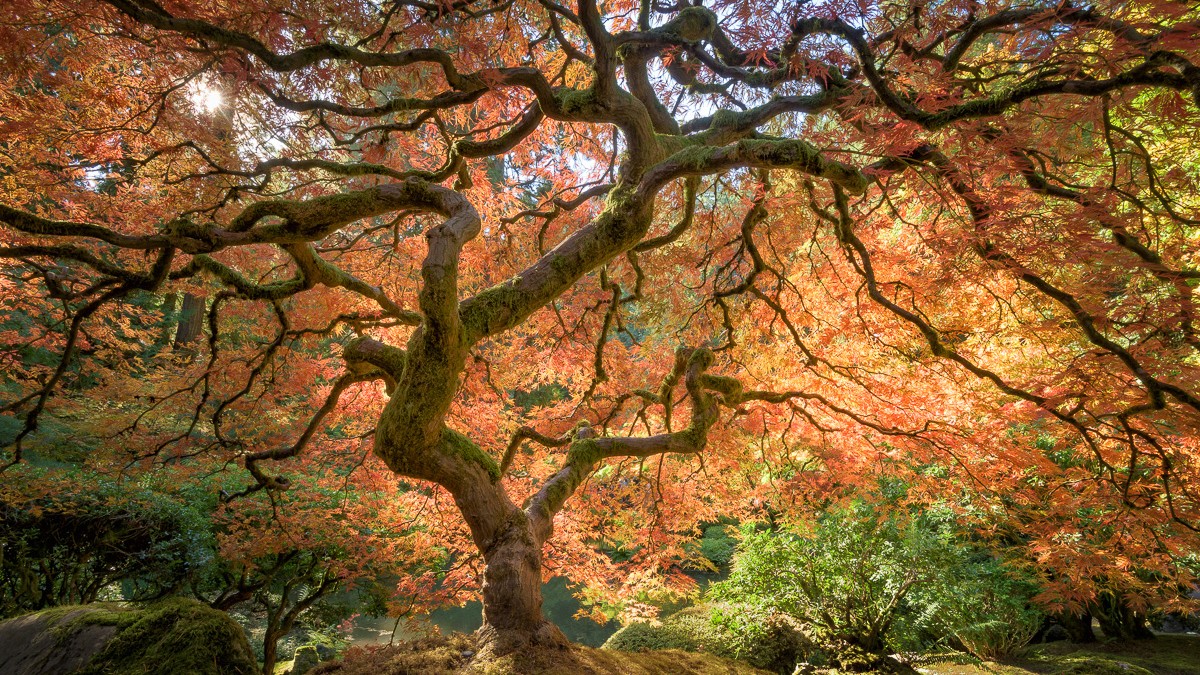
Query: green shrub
[
  {"x": 717, "y": 546},
  {"x": 69, "y": 547},
  {"x": 881, "y": 580},
  {"x": 642, "y": 636},
  {"x": 713, "y": 551},
  {"x": 847, "y": 576},
  {"x": 986, "y": 607},
  {"x": 762, "y": 638}
]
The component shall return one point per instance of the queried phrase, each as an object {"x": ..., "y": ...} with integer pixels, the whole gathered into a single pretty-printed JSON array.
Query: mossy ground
[
  {"x": 444, "y": 655},
  {"x": 1164, "y": 655}
]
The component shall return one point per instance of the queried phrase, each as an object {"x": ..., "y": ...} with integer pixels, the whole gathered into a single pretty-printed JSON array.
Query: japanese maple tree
[{"x": 665, "y": 258}]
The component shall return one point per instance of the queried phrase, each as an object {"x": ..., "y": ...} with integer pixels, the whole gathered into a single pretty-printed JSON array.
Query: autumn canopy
[{"x": 557, "y": 277}]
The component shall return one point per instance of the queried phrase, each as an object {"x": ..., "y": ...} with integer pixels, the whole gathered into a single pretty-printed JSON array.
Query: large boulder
[{"x": 172, "y": 636}]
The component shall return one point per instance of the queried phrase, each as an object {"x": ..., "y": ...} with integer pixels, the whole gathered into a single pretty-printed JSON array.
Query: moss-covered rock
[
  {"x": 305, "y": 660},
  {"x": 31, "y": 644},
  {"x": 172, "y": 636}
]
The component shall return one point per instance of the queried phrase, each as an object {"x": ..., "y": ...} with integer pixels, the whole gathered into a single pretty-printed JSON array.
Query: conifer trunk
[
  {"x": 191, "y": 321},
  {"x": 168, "y": 318}
]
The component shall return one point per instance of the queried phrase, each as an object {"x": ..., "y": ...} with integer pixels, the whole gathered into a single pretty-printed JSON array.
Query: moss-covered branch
[
  {"x": 795, "y": 154},
  {"x": 364, "y": 352}
]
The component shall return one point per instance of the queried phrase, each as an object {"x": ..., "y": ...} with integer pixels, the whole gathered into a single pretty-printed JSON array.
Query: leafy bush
[
  {"x": 713, "y": 551},
  {"x": 644, "y": 636},
  {"x": 68, "y": 547},
  {"x": 847, "y": 576},
  {"x": 875, "y": 580},
  {"x": 986, "y": 607},
  {"x": 717, "y": 546},
  {"x": 762, "y": 638}
]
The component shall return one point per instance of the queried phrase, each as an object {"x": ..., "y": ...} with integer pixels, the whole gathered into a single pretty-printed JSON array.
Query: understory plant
[{"x": 866, "y": 579}]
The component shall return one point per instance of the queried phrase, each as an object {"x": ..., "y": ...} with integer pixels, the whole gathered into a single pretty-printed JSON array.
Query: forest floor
[
  {"x": 452, "y": 654},
  {"x": 1164, "y": 655}
]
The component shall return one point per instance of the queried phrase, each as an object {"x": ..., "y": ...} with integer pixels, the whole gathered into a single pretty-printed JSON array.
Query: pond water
[{"x": 557, "y": 603}]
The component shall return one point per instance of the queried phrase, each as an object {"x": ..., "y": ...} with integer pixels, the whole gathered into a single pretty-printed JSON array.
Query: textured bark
[
  {"x": 270, "y": 651},
  {"x": 168, "y": 316},
  {"x": 512, "y": 554},
  {"x": 191, "y": 320},
  {"x": 512, "y": 593}
]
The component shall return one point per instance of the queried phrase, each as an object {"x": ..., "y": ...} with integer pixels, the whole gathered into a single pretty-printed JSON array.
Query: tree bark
[
  {"x": 168, "y": 318},
  {"x": 512, "y": 579},
  {"x": 191, "y": 320},
  {"x": 512, "y": 593},
  {"x": 270, "y": 649}
]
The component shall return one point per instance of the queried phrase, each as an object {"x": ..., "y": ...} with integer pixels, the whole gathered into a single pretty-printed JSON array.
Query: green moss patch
[
  {"x": 427, "y": 656},
  {"x": 173, "y": 636},
  {"x": 1164, "y": 655},
  {"x": 460, "y": 446},
  {"x": 1094, "y": 665}
]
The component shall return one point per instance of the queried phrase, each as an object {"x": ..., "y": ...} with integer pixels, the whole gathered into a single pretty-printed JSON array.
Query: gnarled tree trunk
[
  {"x": 512, "y": 592},
  {"x": 511, "y": 546}
]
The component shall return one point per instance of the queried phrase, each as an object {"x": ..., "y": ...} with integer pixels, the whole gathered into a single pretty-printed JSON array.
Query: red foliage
[{"x": 958, "y": 245}]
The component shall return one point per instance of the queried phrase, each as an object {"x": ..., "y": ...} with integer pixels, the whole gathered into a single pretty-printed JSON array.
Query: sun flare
[{"x": 206, "y": 98}]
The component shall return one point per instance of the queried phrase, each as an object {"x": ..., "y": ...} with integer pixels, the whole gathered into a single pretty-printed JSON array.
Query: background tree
[
  {"x": 309, "y": 560},
  {"x": 841, "y": 230}
]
